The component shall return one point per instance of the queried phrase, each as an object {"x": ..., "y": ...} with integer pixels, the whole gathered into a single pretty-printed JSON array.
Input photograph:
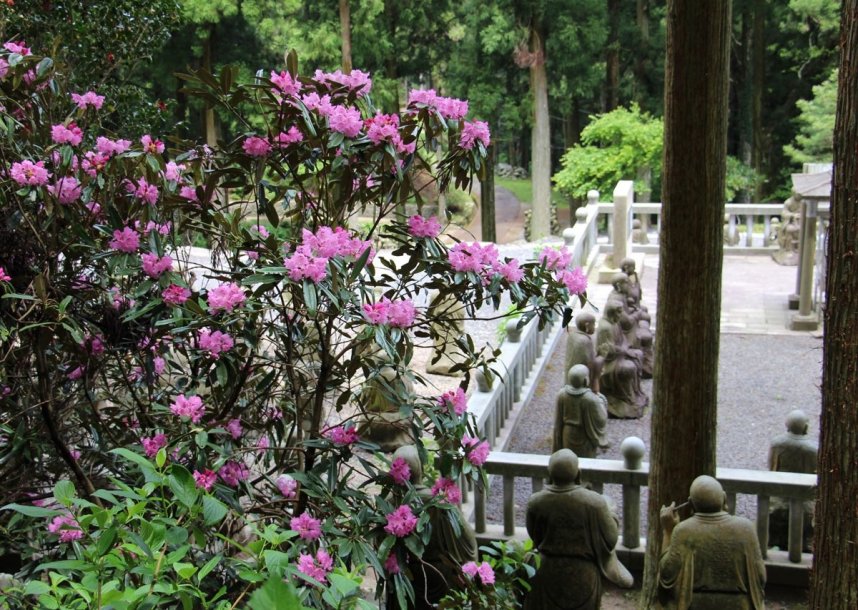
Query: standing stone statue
[
  {"x": 580, "y": 348},
  {"x": 448, "y": 547},
  {"x": 445, "y": 353},
  {"x": 793, "y": 451},
  {"x": 789, "y": 232},
  {"x": 633, "y": 288},
  {"x": 639, "y": 236},
  {"x": 712, "y": 559},
  {"x": 575, "y": 533},
  {"x": 581, "y": 416},
  {"x": 621, "y": 373}
]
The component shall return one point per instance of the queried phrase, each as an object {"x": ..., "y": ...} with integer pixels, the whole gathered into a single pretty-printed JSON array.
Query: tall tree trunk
[
  {"x": 540, "y": 223},
  {"x": 744, "y": 91},
  {"x": 391, "y": 67},
  {"x": 835, "y": 546},
  {"x": 642, "y": 78},
  {"x": 612, "y": 56},
  {"x": 346, "y": 35},
  {"x": 689, "y": 277},
  {"x": 759, "y": 72},
  {"x": 209, "y": 127}
]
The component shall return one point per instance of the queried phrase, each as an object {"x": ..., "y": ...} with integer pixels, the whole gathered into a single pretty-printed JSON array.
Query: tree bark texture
[
  {"x": 834, "y": 581},
  {"x": 612, "y": 57},
  {"x": 689, "y": 277},
  {"x": 346, "y": 35},
  {"x": 759, "y": 73},
  {"x": 540, "y": 224}
]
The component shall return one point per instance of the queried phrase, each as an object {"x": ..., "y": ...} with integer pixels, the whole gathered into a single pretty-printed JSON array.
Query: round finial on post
[
  {"x": 581, "y": 215},
  {"x": 592, "y": 197},
  {"x": 513, "y": 332},
  {"x": 633, "y": 450},
  {"x": 484, "y": 384},
  {"x": 568, "y": 236}
]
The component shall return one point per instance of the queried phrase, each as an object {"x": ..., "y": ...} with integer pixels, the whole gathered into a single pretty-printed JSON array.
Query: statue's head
[
  {"x": 563, "y": 468},
  {"x": 620, "y": 281},
  {"x": 586, "y": 322},
  {"x": 797, "y": 422},
  {"x": 578, "y": 376},
  {"x": 627, "y": 265},
  {"x": 626, "y": 322},
  {"x": 613, "y": 309},
  {"x": 412, "y": 458},
  {"x": 707, "y": 495}
]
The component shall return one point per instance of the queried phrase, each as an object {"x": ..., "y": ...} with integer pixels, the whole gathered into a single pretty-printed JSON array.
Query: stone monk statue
[
  {"x": 575, "y": 532},
  {"x": 580, "y": 348},
  {"x": 581, "y": 416},
  {"x": 712, "y": 559},
  {"x": 620, "y": 381}
]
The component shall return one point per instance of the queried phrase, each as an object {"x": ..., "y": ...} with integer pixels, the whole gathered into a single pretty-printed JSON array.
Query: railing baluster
[
  {"x": 480, "y": 509},
  {"x": 631, "y": 516},
  {"x": 536, "y": 484},
  {"x": 796, "y": 529},
  {"x": 731, "y": 503},
  {"x": 763, "y": 523},
  {"x": 508, "y": 505},
  {"x": 749, "y": 226}
]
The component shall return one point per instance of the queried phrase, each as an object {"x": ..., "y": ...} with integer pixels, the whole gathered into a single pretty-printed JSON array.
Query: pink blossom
[
  {"x": 155, "y": 266},
  {"x": 61, "y": 134},
  {"x": 215, "y": 343},
  {"x": 473, "y": 257},
  {"x": 376, "y": 313},
  {"x": 67, "y": 527},
  {"x": 340, "y": 435},
  {"x": 256, "y": 146},
  {"x": 385, "y": 128},
  {"x": 153, "y": 444},
  {"x": 401, "y": 522},
  {"x": 151, "y": 146},
  {"x": 284, "y": 83},
  {"x": 234, "y": 428},
  {"x": 511, "y": 271},
  {"x": 94, "y": 162},
  {"x": 75, "y": 454},
  {"x": 399, "y": 471},
  {"x": 158, "y": 365},
  {"x": 401, "y": 314},
  {"x": 263, "y": 232},
  {"x": 110, "y": 147},
  {"x": 173, "y": 171},
  {"x": 66, "y": 190},
  {"x": 302, "y": 264},
  {"x": 4, "y": 277},
  {"x": 205, "y": 479},
  {"x": 126, "y": 240},
  {"x": 476, "y": 451},
  {"x": 555, "y": 259},
  {"x": 191, "y": 407},
  {"x": 252, "y": 255},
  {"x": 484, "y": 571},
  {"x": 320, "y": 104},
  {"x": 391, "y": 565},
  {"x": 263, "y": 443},
  {"x": 455, "y": 399},
  {"x": 418, "y": 226},
  {"x": 345, "y": 120},
  {"x": 90, "y": 98},
  {"x": 15, "y": 47},
  {"x": 287, "y": 486},
  {"x": 307, "y": 526},
  {"x": 356, "y": 81},
  {"x": 447, "y": 107},
  {"x": 189, "y": 193},
  {"x": 76, "y": 373},
  {"x": 293, "y": 136},
  {"x": 175, "y": 295},
  {"x": 233, "y": 473},
  {"x": 225, "y": 297},
  {"x": 27, "y": 173},
  {"x": 143, "y": 191},
  {"x": 478, "y": 131},
  {"x": 448, "y": 490},
  {"x": 93, "y": 344},
  {"x": 316, "y": 569},
  {"x": 470, "y": 569},
  {"x": 4, "y": 68},
  {"x": 575, "y": 280}
]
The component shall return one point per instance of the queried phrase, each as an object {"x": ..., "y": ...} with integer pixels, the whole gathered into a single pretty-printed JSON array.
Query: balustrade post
[
  {"x": 480, "y": 509},
  {"x": 749, "y": 227},
  {"x": 763, "y": 524},
  {"x": 804, "y": 319},
  {"x": 508, "y": 505},
  {"x": 633, "y": 450},
  {"x": 796, "y": 529}
]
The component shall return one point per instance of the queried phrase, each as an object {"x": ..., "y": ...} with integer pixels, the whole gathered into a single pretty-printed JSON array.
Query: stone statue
[
  {"x": 731, "y": 234},
  {"x": 793, "y": 451},
  {"x": 580, "y": 349},
  {"x": 380, "y": 398},
  {"x": 447, "y": 549},
  {"x": 639, "y": 236},
  {"x": 575, "y": 532},
  {"x": 581, "y": 416},
  {"x": 712, "y": 559},
  {"x": 789, "y": 232},
  {"x": 445, "y": 352},
  {"x": 633, "y": 287},
  {"x": 621, "y": 373}
]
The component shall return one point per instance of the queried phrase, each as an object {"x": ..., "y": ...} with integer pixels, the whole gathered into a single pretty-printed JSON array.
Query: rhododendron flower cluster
[
  {"x": 155, "y": 266},
  {"x": 256, "y": 146},
  {"x": 483, "y": 260},
  {"x": 72, "y": 134},
  {"x": 355, "y": 81},
  {"x": 188, "y": 406},
  {"x": 401, "y": 522},
  {"x": 153, "y": 444},
  {"x": 454, "y": 400},
  {"x": 292, "y": 136},
  {"x": 483, "y": 571},
  {"x": 175, "y": 295},
  {"x": 448, "y": 490},
  {"x": 308, "y": 527},
  {"x": 574, "y": 280},
  {"x": 143, "y": 191},
  {"x": 284, "y": 83},
  {"x": 478, "y": 131},
  {"x": 476, "y": 451},
  {"x": 385, "y": 128},
  {"x": 4, "y": 277},
  {"x": 205, "y": 479},
  {"x": 345, "y": 120},
  {"x": 90, "y": 98},
  {"x": 310, "y": 259},
  {"x": 234, "y": 428},
  {"x": 399, "y": 471},
  {"x": 232, "y": 473},
  {"x": 391, "y": 565},
  {"x": 225, "y": 297},
  {"x": 317, "y": 568},
  {"x": 559, "y": 261},
  {"x": 67, "y": 527},
  {"x": 215, "y": 342},
  {"x": 27, "y": 173},
  {"x": 398, "y": 314},
  {"x": 287, "y": 486},
  {"x": 447, "y": 107},
  {"x": 152, "y": 146},
  {"x": 419, "y": 226},
  {"x": 109, "y": 147},
  {"x": 340, "y": 435},
  {"x": 66, "y": 190}
]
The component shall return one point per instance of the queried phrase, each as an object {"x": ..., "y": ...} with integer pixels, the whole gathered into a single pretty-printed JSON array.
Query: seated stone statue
[
  {"x": 575, "y": 533},
  {"x": 793, "y": 451},
  {"x": 639, "y": 236},
  {"x": 448, "y": 324},
  {"x": 789, "y": 232},
  {"x": 581, "y": 416},
  {"x": 731, "y": 235},
  {"x": 580, "y": 348},
  {"x": 380, "y": 398},
  {"x": 622, "y": 369},
  {"x": 712, "y": 559},
  {"x": 639, "y": 337},
  {"x": 633, "y": 288},
  {"x": 448, "y": 548}
]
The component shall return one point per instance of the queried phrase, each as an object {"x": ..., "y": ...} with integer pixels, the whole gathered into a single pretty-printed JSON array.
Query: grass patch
[{"x": 523, "y": 191}]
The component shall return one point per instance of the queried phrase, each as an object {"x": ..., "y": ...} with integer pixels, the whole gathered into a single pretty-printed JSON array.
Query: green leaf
[
  {"x": 36, "y": 587},
  {"x": 32, "y": 511},
  {"x": 105, "y": 542},
  {"x": 66, "y": 564},
  {"x": 276, "y": 594},
  {"x": 343, "y": 584},
  {"x": 183, "y": 486},
  {"x": 208, "y": 567},
  {"x": 64, "y": 492},
  {"x": 213, "y": 510},
  {"x": 184, "y": 570},
  {"x": 310, "y": 299}
]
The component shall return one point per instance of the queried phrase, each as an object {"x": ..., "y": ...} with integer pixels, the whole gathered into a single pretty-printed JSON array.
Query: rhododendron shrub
[{"x": 230, "y": 383}]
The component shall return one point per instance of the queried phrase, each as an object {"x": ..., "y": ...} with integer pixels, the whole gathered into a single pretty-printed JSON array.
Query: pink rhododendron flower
[
  {"x": 90, "y": 98},
  {"x": 555, "y": 259},
  {"x": 341, "y": 435},
  {"x": 322, "y": 105},
  {"x": 225, "y": 297},
  {"x": 4, "y": 68},
  {"x": 158, "y": 365},
  {"x": 189, "y": 193},
  {"x": 385, "y": 128},
  {"x": 401, "y": 522},
  {"x": 109, "y": 147},
  {"x": 287, "y": 486},
  {"x": 256, "y": 146},
  {"x": 66, "y": 190},
  {"x": 151, "y": 146},
  {"x": 345, "y": 120},
  {"x": 234, "y": 428},
  {"x": 188, "y": 406},
  {"x": 93, "y": 344},
  {"x": 454, "y": 400},
  {"x": 155, "y": 266},
  {"x": 76, "y": 373},
  {"x": 473, "y": 257},
  {"x": 293, "y": 136},
  {"x": 67, "y": 527},
  {"x": 418, "y": 226},
  {"x": 20, "y": 48},
  {"x": 215, "y": 343},
  {"x": 303, "y": 265},
  {"x": 448, "y": 490},
  {"x": 205, "y": 479},
  {"x": 263, "y": 232},
  {"x": 4, "y": 277},
  {"x": 399, "y": 471},
  {"x": 317, "y": 569},
  {"x": 401, "y": 314},
  {"x": 574, "y": 279},
  {"x": 449, "y": 108},
  {"x": 233, "y": 473},
  {"x": 94, "y": 162},
  {"x": 175, "y": 295},
  {"x": 484, "y": 571},
  {"x": 511, "y": 271},
  {"x": 476, "y": 451},
  {"x": 284, "y": 83},
  {"x": 61, "y": 134},
  {"x": 27, "y": 173},
  {"x": 126, "y": 240},
  {"x": 75, "y": 454},
  {"x": 391, "y": 565},
  {"x": 308, "y": 527},
  {"x": 376, "y": 313},
  {"x": 173, "y": 171},
  {"x": 263, "y": 443},
  {"x": 356, "y": 81},
  {"x": 143, "y": 191},
  {"x": 153, "y": 444},
  {"x": 478, "y": 131}
]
